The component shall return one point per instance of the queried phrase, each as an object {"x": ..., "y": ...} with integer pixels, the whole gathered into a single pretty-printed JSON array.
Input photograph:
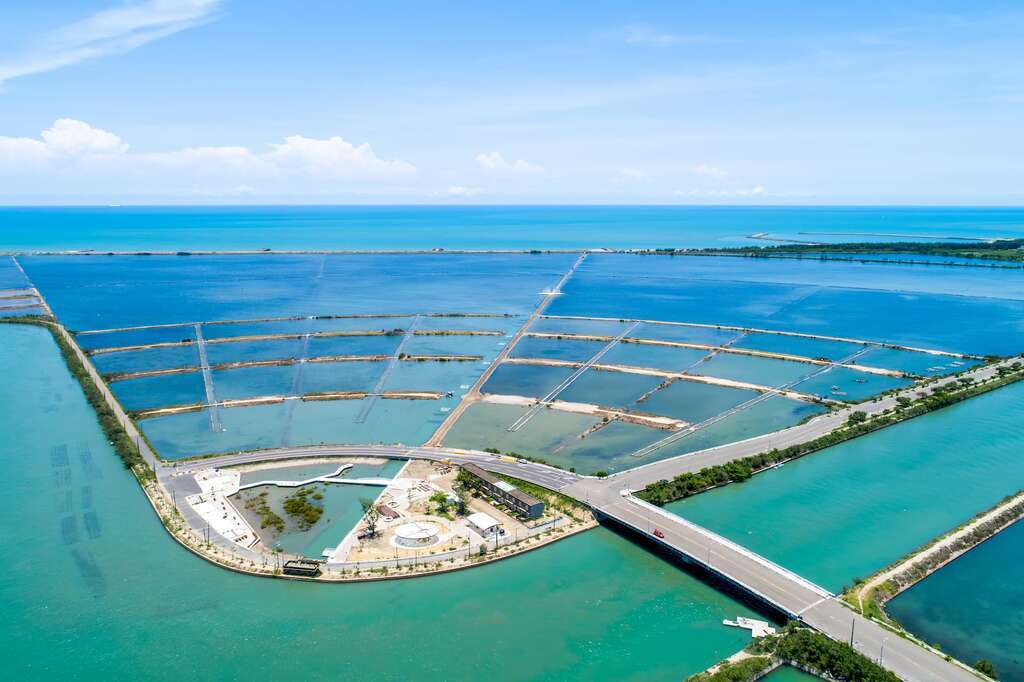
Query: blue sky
[{"x": 206, "y": 101}]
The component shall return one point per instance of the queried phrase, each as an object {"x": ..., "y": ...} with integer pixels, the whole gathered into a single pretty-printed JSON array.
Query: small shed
[{"x": 484, "y": 525}]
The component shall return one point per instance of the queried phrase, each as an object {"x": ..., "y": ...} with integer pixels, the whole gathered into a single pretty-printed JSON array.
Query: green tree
[
  {"x": 986, "y": 667},
  {"x": 371, "y": 515}
]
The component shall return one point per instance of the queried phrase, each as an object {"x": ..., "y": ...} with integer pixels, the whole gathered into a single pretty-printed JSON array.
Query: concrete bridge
[{"x": 783, "y": 591}]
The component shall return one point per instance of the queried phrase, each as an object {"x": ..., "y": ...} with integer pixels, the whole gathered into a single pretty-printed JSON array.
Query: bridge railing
[{"x": 739, "y": 549}]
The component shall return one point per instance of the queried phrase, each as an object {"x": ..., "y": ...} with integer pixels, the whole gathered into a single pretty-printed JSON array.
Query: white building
[{"x": 484, "y": 525}]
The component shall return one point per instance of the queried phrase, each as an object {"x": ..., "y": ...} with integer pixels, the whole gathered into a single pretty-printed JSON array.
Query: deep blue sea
[{"x": 483, "y": 227}]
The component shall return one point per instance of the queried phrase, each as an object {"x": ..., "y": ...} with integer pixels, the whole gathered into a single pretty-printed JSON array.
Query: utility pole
[
  {"x": 881, "y": 654},
  {"x": 853, "y": 627}
]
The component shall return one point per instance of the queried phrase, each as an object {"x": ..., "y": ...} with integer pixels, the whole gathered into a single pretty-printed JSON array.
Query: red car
[{"x": 658, "y": 533}]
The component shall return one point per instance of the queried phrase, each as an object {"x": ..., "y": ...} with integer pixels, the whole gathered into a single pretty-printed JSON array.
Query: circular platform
[{"x": 416, "y": 534}]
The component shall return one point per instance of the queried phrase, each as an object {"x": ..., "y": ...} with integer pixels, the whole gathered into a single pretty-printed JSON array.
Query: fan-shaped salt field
[{"x": 640, "y": 357}]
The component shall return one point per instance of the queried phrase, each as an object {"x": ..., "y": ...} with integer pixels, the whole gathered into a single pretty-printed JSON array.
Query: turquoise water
[
  {"x": 974, "y": 607},
  {"x": 854, "y": 508},
  {"x": 384, "y": 227},
  {"x": 94, "y": 589}
]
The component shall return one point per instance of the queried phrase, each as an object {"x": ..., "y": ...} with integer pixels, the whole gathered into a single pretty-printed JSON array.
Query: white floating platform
[{"x": 758, "y": 628}]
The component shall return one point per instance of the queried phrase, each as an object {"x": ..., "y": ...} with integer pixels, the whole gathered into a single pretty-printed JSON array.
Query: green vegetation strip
[
  {"x": 747, "y": 670},
  {"x": 858, "y": 424},
  {"x": 1006, "y": 250},
  {"x": 123, "y": 445}
]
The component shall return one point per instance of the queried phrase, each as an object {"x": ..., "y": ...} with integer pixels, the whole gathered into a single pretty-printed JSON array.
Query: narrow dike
[{"x": 870, "y": 596}]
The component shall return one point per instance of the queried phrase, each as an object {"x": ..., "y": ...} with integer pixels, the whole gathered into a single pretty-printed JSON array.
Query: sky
[{"x": 683, "y": 102}]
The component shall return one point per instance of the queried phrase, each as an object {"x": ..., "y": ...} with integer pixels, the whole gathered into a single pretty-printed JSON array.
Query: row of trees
[
  {"x": 858, "y": 424},
  {"x": 112, "y": 428}
]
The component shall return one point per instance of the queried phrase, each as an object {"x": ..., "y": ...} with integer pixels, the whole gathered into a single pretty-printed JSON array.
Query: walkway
[
  {"x": 474, "y": 392},
  {"x": 568, "y": 381},
  {"x": 204, "y": 365}
]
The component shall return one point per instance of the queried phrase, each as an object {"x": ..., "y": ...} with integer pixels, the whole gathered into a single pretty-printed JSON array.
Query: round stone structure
[{"x": 416, "y": 534}]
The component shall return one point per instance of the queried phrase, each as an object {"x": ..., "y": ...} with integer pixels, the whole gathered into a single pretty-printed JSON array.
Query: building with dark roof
[{"x": 512, "y": 497}]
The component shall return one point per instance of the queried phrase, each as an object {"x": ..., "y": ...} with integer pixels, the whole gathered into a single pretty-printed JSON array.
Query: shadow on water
[
  {"x": 60, "y": 463},
  {"x": 92, "y": 575},
  {"x": 696, "y": 570}
]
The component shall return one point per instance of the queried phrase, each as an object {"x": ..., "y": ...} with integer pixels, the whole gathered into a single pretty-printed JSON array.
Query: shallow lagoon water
[
  {"x": 771, "y": 414},
  {"x": 551, "y": 325},
  {"x": 526, "y": 380},
  {"x": 147, "y": 393},
  {"x": 693, "y": 401},
  {"x": 607, "y": 449},
  {"x": 127, "y": 601},
  {"x": 906, "y": 306},
  {"x": 341, "y": 512},
  {"x": 98, "y": 293},
  {"x": 297, "y": 422},
  {"x": 149, "y": 359},
  {"x": 754, "y": 370},
  {"x": 799, "y": 345},
  {"x": 852, "y": 509},
  {"x": 557, "y": 349},
  {"x": 921, "y": 364},
  {"x": 657, "y": 357},
  {"x": 485, "y": 425},
  {"x": 609, "y": 389},
  {"x": 707, "y": 336},
  {"x": 841, "y": 383}
]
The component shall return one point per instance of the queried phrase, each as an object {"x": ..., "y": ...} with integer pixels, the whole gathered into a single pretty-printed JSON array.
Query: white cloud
[
  {"x": 334, "y": 156},
  {"x": 75, "y": 151},
  {"x": 710, "y": 171},
  {"x": 756, "y": 191},
  {"x": 111, "y": 31},
  {"x": 460, "y": 191},
  {"x": 495, "y": 162}
]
